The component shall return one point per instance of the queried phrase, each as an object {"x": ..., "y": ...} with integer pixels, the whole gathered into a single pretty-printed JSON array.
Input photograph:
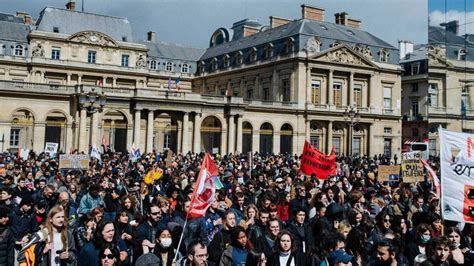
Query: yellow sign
[{"x": 412, "y": 171}]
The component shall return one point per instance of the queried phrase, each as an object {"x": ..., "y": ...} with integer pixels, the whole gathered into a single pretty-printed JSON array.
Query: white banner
[
  {"x": 51, "y": 148},
  {"x": 457, "y": 176}
]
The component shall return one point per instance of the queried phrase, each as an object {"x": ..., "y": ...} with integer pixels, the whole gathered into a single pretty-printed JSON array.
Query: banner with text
[
  {"x": 74, "y": 161},
  {"x": 389, "y": 173},
  {"x": 412, "y": 171},
  {"x": 457, "y": 176},
  {"x": 316, "y": 162},
  {"x": 51, "y": 148}
]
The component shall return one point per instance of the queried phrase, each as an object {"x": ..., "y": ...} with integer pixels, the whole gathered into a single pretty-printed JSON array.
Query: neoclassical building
[{"x": 255, "y": 88}]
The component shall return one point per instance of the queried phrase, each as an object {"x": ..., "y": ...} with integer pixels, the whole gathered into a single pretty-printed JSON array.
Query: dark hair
[
  {"x": 234, "y": 235},
  {"x": 113, "y": 249},
  {"x": 87, "y": 218},
  {"x": 99, "y": 239},
  {"x": 151, "y": 205},
  {"x": 388, "y": 243},
  {"x": 439, "y": 241},
  {"x": 356, "y": 242},
  {"x": 192, "y": 246},
  {"x": 254, "y": 257},
  {"x": 420, "y": 229},
  {"x": 276, "y": 246}
]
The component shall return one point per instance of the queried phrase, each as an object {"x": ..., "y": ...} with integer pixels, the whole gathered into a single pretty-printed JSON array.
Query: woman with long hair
[
  {"x": 129, "y": 204},
  {"x": 257, "y": 258},
  {"x": 355, "y": 246},
  {"x": 106, "y": 233},
  {"x": 84, "y": 233},
  {"x": 285, "y": 252},
  {"x": 284, "y": 206},
  {"x": 109, "y": 255},
  {"x": 236, "y": 252},
  {"x": 250, "y": 216},
  {"x": 420, "y": 243},
  {"x": 58, "y": 249}
]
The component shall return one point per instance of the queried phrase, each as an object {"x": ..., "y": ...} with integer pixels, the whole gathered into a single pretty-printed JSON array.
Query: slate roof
[
  {"x": 12, "y": 31},
  {"x": 10, "y": 18},
  {"x": 441, "y": 35},
  {"x": 70, "y": 22},
  {"x": 323, "y": 29},
  {"x": 419, "y": 53},
  {"x": 173, "y": 51}
]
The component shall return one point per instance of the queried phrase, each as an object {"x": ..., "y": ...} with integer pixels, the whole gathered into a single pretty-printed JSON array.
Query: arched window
[
  {"x": 383, "y": 56},
  {"x": 214, "y": 63},
  {"x": 269, "y": 51},
  {"x": 169, "y": 66},
  {"x": 226, "y": 60},
  {"x": 185, "y": 68},
  {"x": 288, "y": 46},
  {"x": 238, "y": 58},
  {"x": 253, "y": 54},
  {"x": 153, "y": 64},
  {"x": 19, "y": 50},
  {"x": 334, "y": 44}
]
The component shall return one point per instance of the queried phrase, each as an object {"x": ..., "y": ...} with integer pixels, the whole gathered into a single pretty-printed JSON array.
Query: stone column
[
  {"x": 276, "y": 142},
  {"x": 68, "y": 79},
  {"x": 94, "y": 129},
  {"x": 197, "y": 133},
  {"x": 82, "y": 131},
  {"x": 309, "y": 93},
  {"x": 308, "y": 129},
  {"x": 180, "y": 136},
  {"x": 104, "y": 81},
  {"x": 79, "y": 79},
  {"x": 238, "y": 146},
  {"x": 372, "y": 92},
  {"x": 185, "y": 147},
  {"x": 364, "y": 95},
  {"x": 114, "y": 82},
  {"x": 351, "y": 89},
  {"x": 255, "y": 140},
  {"x": 68, "y": 138},
  {"x": 329, "y": 137},
  {"x": 231, "y": 134},
  {"x": 136, "y": 128},
  {"x": 330, "y": 88},
  {"x": 38, "y": 138},
  {"x": 149, "y": 131}
]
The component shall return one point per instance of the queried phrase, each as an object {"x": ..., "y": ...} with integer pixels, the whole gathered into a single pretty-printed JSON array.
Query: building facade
[{"x": 261, "y": 88}]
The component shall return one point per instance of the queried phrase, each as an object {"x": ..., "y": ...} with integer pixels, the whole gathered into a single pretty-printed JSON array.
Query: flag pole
[{"x": 182, "y": 234}]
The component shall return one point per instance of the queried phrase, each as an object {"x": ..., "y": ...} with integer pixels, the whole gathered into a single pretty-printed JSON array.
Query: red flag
[
  {"x": 433, "y": 175},
  {"x": 316, "y": 162},
  {"x": 204, "y": 190}
]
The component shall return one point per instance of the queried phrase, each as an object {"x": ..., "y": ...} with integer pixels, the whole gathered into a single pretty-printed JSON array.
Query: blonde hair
[
  {"x": 344, "y": 224},
  {"x": 49, "y": 224}
]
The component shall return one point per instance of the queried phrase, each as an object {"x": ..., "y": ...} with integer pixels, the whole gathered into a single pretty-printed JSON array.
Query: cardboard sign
[
  {"x": 51, "y": 148},
  {"x": 412, "y": 171},
  {"x": 74, "y": 161},
  {"x": 169, "y": 158},
  {"x": 389, "y": 172},
  {"x": 411, "y": 155}
]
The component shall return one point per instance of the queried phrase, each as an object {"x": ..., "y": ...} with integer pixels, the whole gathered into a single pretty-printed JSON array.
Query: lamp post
[
  {"x": 352, "y": 118},
  {"x": 89, "y": 100}
]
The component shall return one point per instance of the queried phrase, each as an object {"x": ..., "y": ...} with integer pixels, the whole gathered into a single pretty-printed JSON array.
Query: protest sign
[
  {"x": 412, "y": 171},
  {"x": 315, "y": 162},
  {"x": 457, "y": 176},
  {"x": 74, "y": 161},
  {"x": 51, "y": 148},
  {"x": 389, "y": 173},
  {"x": 169, "y": 158}
]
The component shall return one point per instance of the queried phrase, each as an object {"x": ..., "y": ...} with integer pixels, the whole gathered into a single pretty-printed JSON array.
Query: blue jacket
[{"x": 88, "y": 203}]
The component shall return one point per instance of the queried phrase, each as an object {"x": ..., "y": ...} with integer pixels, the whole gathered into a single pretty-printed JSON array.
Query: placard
[
  {"x": 74, "y": 161},
  {"x": 412, "y": 171},
  {"x": 51, "y": 148},
  {"x": 169, "y": 158},
  {"x": 389, "y": 173}
]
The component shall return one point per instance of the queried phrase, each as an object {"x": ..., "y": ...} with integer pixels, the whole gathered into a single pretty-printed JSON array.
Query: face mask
[
  {"x": 165, "y": 242},
  {"x": 425, "y": 239}
]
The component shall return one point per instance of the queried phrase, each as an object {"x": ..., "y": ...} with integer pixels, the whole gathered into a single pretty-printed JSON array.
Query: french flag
[{"x": 178, "y": 84}]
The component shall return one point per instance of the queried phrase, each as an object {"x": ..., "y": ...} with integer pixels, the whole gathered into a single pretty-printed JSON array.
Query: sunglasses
[
  {"x": 108, "y": 256},
  {"x": 155, "y": 213}
]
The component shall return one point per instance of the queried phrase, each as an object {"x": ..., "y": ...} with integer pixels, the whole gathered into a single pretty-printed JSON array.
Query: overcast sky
[{"x": 191, "y": 22}]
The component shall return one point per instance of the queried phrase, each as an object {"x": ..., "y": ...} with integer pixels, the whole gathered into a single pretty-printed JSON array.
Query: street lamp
[
  {"x": 352, "y": 118},
  {"x": 89, "y": 100}
]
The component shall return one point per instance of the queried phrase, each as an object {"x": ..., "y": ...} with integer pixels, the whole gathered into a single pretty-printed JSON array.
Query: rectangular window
[
  {"x": 249, "y": 93},
  {"x": 125, "y": 59},
  {"x": 337, "y": 88},
  {"x": 166, "y": 141},
  {"x": 414, "y": 87},
  {"x": 465, "y": 99},
  {"x": 314, "y": 140},
  {"x": 433, "y": 94},
  {"x": 336, "y": 142},
  {"x": 387, "y": 147},
  {"x": 358, "y": 95},
  {"x": 286, "y": 90},
  {"x": 91, "y": 57},
  {"x": 356, "y": 146},
  {"x": 415, "y": 69},
  {"x": 315, "y": 91},
  {"x": 414, "y": 108},
  {"x": 14, "y": 137},
  {"x": 387, "y": 98},
  {"x": 266, "y": 94},
  {"x": 432, "y": 147},
  {"x": 387, "y": 130},
  {"x": 56, "y": 53}
]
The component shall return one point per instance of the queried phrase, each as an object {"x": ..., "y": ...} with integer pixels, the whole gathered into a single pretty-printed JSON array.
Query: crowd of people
[{"x": 265, "y": 212}]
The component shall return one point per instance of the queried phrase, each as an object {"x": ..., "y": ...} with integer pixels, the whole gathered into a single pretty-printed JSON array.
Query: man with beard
[
  {"x": 267, "y": 242},
  {"x": 387, "y": 255},
  {"x": 146, "y": 231},
  {"x": 257, "y": 230},
  {"x": 222, "y": 239}
]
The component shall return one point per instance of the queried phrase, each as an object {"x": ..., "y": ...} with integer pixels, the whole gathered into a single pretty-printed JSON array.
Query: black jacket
[
  {"x": 298, "y": 257},
  {"x": 301, "y": 233},
  {"x": 218, "y": 244},
  {"x": 22, "y": 223},
  {"x": 7, "y": 244}
]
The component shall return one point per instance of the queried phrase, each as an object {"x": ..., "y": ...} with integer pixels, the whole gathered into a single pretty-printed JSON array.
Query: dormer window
[
  {"x": 269, "y": 51},
  {"x": 169, "y": 66},
  {"x": 56, "y": 29},
  {"x": 383, "y": 56},
  {"x": 253, "y": 54},
  {"x": 239, "y": 58},
  {"x": 288, "y": 46},
  {"x": 334, "y": 44},
  {"x": 202, "y": 66},
  {"x": 462, "y": 54},
  {"x": 19, "y": 50},
  {"x": 153, "y": 64},
  {"x": 226, "y": 60},
  {"x": 184, "y": 68},
  {"x": 214, "y": 63}
]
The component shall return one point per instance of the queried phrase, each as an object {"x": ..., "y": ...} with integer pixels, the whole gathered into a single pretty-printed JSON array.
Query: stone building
[{"x": 256, "y": 87}]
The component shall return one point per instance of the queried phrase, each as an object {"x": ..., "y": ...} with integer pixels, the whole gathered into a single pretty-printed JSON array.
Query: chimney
[
  {"x": 249, "y": 30},
  {"x": 354, "y": 23},
  {"x": 151, "y": 36},
  {"x": 341, "y": 18},
  {"x": 27, "y": 20},
  {"x": 452, "y": 26},
  {"x": 21, "y": 14},
  {"x": 71, "y": 5},
  {"x": 405, "y": 47},
  {"x": 277, "y": 21},
  {"x": 312, "y": 12}
]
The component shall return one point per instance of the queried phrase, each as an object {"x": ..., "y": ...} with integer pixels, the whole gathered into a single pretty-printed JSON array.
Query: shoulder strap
[{"x": 288, "y": 263}]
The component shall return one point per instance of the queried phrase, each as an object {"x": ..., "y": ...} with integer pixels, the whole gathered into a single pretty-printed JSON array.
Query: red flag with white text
[
  {"x": 204, "y": 189},
  {"x": 315, "y": 162}
]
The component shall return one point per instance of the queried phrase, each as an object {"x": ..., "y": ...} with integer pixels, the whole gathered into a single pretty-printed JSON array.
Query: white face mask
[{"x": 165, "y": 242}]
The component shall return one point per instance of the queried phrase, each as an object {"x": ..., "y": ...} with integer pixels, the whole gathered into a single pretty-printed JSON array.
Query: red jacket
[{"x": 282, "y": 212}]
